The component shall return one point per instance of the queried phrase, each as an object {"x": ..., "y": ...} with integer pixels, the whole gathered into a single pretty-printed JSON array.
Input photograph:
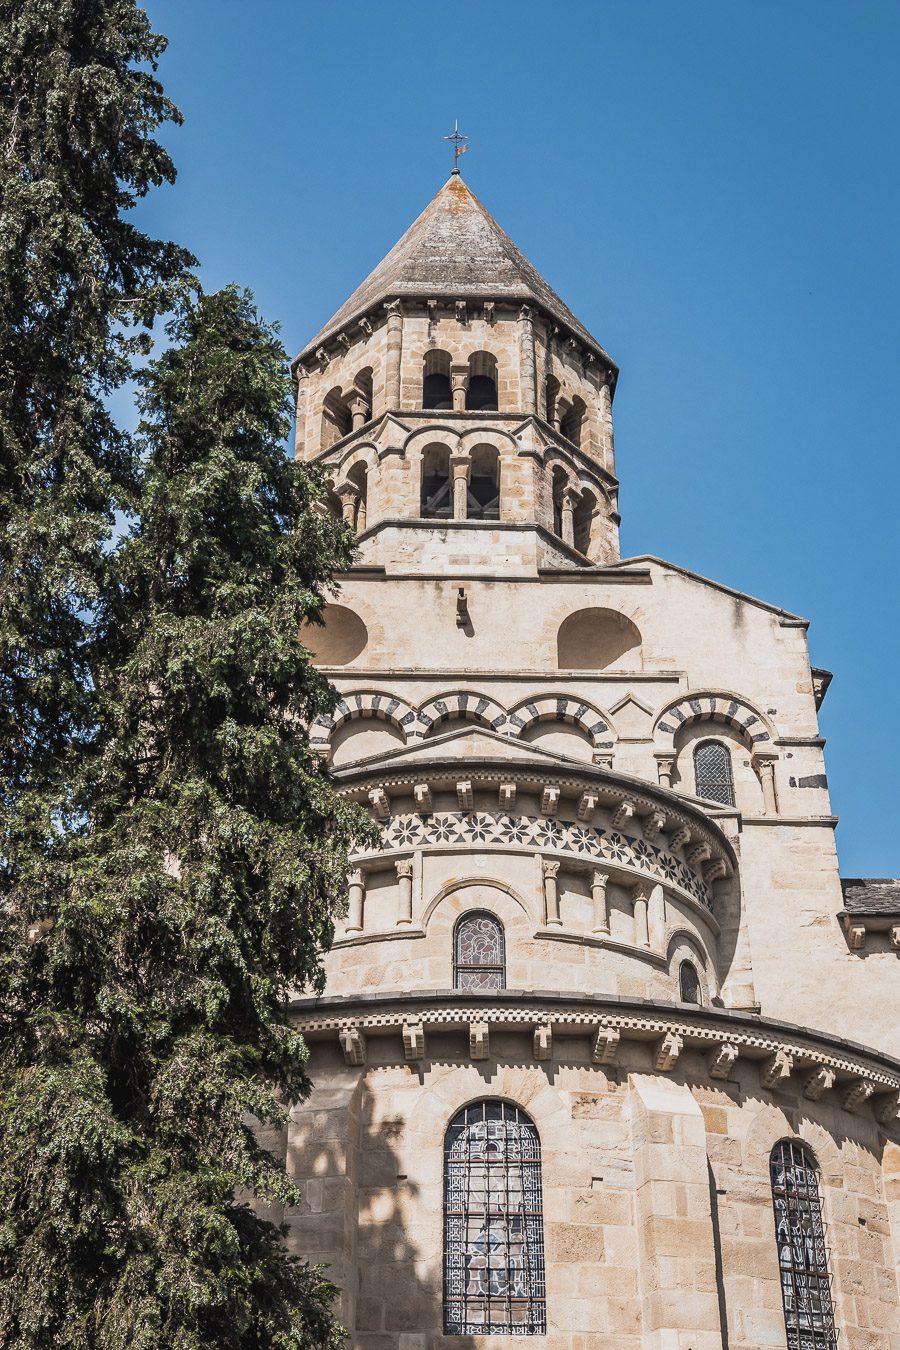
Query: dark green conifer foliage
[
  {"x": 171, "y": 851},
  {"x": 151, "y": 1018}
]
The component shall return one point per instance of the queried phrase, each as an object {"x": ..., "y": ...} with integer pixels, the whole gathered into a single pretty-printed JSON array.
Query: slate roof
[
  {"x": 875, "y": 896},
  {"x": 454, "y": 250}
]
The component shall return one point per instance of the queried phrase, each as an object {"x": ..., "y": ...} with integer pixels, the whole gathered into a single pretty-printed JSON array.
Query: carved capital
[
  {"x": 404, "y": 867},
  {"x": 550, "y": 869}
]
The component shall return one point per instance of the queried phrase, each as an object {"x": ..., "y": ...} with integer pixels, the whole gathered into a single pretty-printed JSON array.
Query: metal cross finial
[{"x": 459, "y": 144}]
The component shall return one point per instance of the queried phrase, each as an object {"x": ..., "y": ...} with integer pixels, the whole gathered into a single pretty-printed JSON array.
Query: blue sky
[{"x": 712, "y": 187}]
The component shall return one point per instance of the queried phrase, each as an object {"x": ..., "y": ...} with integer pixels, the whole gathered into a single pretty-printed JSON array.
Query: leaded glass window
[
  {"x": 494, "y": 1280},
  {"x": 712, "y": 772},
  {"x": 802, "y": 1254},
  {"x": 478, "y": 956},
  {"x": 689, "y": 983}
]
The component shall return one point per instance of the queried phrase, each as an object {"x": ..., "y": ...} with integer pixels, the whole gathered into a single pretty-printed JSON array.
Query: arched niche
[
  {"x": 342, "y": 639},
  {"x": 561, "y": 738},
  {"x": 598, "y": 639},
  {"x": 363, "y": 737}
]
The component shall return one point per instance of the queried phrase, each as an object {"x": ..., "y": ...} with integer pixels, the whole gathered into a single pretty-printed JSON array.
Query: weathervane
[{"x": 459, "y": 144}]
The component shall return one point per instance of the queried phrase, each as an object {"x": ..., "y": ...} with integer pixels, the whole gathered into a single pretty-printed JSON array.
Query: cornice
[{"x": 816, "y": 1061}]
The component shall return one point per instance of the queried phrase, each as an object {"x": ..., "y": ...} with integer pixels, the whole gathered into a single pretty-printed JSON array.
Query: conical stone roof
[{"x": 455, "y": 250}]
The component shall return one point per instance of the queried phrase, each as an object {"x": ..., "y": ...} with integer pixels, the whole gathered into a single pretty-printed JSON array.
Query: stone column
[
  {"x": 404, "y": 868},
  {"x": 599, "y": 881},
  {"x": 664, "y": 766},
  {"x": 656, "y": 916},
  {"x": 460, "y": 468},
  {"x": 551, "y": 893},
  {"x": 765, "y": 767},
  {"x": 459, "y": 382},
  {"x": 348, "y": 496},
  {"x": 527, "y": 367},
  {"x": 569, "y": 499},
  {"x": 677, "y": 1269},
  {"x": 300, "y": 424},
  {"x": 393, "y": 355},
  {"x": 356, "y": 902},
  {"x": 641, "y": 926},
  {"x": 359, "y": 412}
]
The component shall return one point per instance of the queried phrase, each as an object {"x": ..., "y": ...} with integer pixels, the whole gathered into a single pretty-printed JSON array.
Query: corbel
[
  {"x": 344, "y": 341},
  {"x": 820, "y": 1081},
  {"x": 653, "y": 823},
  {"x": 506, "y": 796},
  {"x": 859, "y": 1091},
  {"x": 623, "y": 812},
  {"x": 894, "y": 936},
  {"x": 489, "y": 312},
  {"x": 413, "y": 1040},
  {"x": 550, "y": 801},
  {"x": 323, "y": 358},
  {"x": 667, "y": 1051},
  {"x": 856, "y": 936},
  {"x": 679, "y": 837},
  {"x": 479, "y": 1040},
  {"x": 381, "y": 803},
  {"x": 461, "y": 312},
  {"x": 587, "y": 805},
  {"x": 423, "y": 798},
  {"x": 715, "y": 871},
  {"x": 606, "y": 1045},
  {"x": 366, "y": 326},
  {"x": 465, "y": 796},
  {"x": 887, "y": 1112},
  {"x": 462, "y": 608},
  {"x": 776, "y": 1069},
  {"x": 722, "y": 1060},
  {"x": 353, "y": 1045},
  {"x": 699, "y": 853},
  {"x": 543, "y": 1041}
]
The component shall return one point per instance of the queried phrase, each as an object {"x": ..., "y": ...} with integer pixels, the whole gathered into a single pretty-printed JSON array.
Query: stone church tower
[{"x": 606, "y": 1055}]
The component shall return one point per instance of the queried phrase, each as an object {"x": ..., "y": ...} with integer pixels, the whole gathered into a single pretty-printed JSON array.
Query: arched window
[
  {"x": 479, "y": 956},
  {"x": 336, "y": 419},
  {"x": 436, "y": 391},
  {"x": 494, "y": 1281},
  {"x": 572, "y": 422},
  {"x": 481, "y": 391},
  {"x": 484, "y": 484},
  {"x": 712, "y": 772},
  {"x": 583, "y": 520},
  {"x": 802, "y": 1255},
  {"x": 689, "y": 990},
  {"x": 437, "y": 496}
]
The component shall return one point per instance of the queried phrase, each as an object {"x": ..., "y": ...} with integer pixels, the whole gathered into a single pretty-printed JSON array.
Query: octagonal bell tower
[{"x": 454, "y": 386}]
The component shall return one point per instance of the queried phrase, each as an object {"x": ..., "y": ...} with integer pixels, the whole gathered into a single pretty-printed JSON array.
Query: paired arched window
[
  {"x": 689, "y": 988},
  {"x": 479, "y": 955},
  {"x": 802, "y": 1254},
  {"x": 494, "y": 1277},
  {"x": 436, "y": 391},
  {"x": 712, "y": 772},
  {"x": 481, "y": 387}
]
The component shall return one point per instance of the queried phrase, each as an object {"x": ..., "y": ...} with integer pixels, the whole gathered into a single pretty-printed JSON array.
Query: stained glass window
[
  {"x": 802, "y": 1254},
  {"x": 493, "y": 1224},
  {"x": 712, "y": 772},
  {"x": 478, "y": 955},
  {"x": 689, "y": 983}
]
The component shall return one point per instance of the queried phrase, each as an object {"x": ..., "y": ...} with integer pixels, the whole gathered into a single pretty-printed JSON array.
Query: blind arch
[
  {"x": 713, "y": 777},
  {"x": 802, "y": 1252},
  {"x": 494, "y": 1272}
]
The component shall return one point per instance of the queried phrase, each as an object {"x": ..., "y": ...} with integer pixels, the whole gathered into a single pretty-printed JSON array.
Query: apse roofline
[{"x": 791, "y": 620}]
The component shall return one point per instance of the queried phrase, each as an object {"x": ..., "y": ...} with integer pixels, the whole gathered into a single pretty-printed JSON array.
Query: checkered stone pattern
[
  {"x": 711, "y": 708},
  {"x": 480, "y": 829}
]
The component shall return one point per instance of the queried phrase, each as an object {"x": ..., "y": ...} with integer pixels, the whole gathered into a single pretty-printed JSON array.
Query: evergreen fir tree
[
  {"x": 152, "y": 1020},
  {"x": 171, "y": 851}
]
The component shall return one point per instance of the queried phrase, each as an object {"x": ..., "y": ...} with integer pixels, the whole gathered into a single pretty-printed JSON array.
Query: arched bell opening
[
  {"x": 481, "y": 390},
  {"x": 437, "y": 394},
  {"x": 484, "y": 484},
  {"x": 437, "y": 495}
]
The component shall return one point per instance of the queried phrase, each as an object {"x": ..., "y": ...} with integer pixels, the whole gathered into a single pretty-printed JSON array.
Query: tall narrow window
[
  {"x": 712, "y": 772},
  {"x": 689, "y": 983},
  {"x": 478, "y": 953},
  {"x": 494, "y": 1281},
  {"x": 802, "y": 1255}
]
